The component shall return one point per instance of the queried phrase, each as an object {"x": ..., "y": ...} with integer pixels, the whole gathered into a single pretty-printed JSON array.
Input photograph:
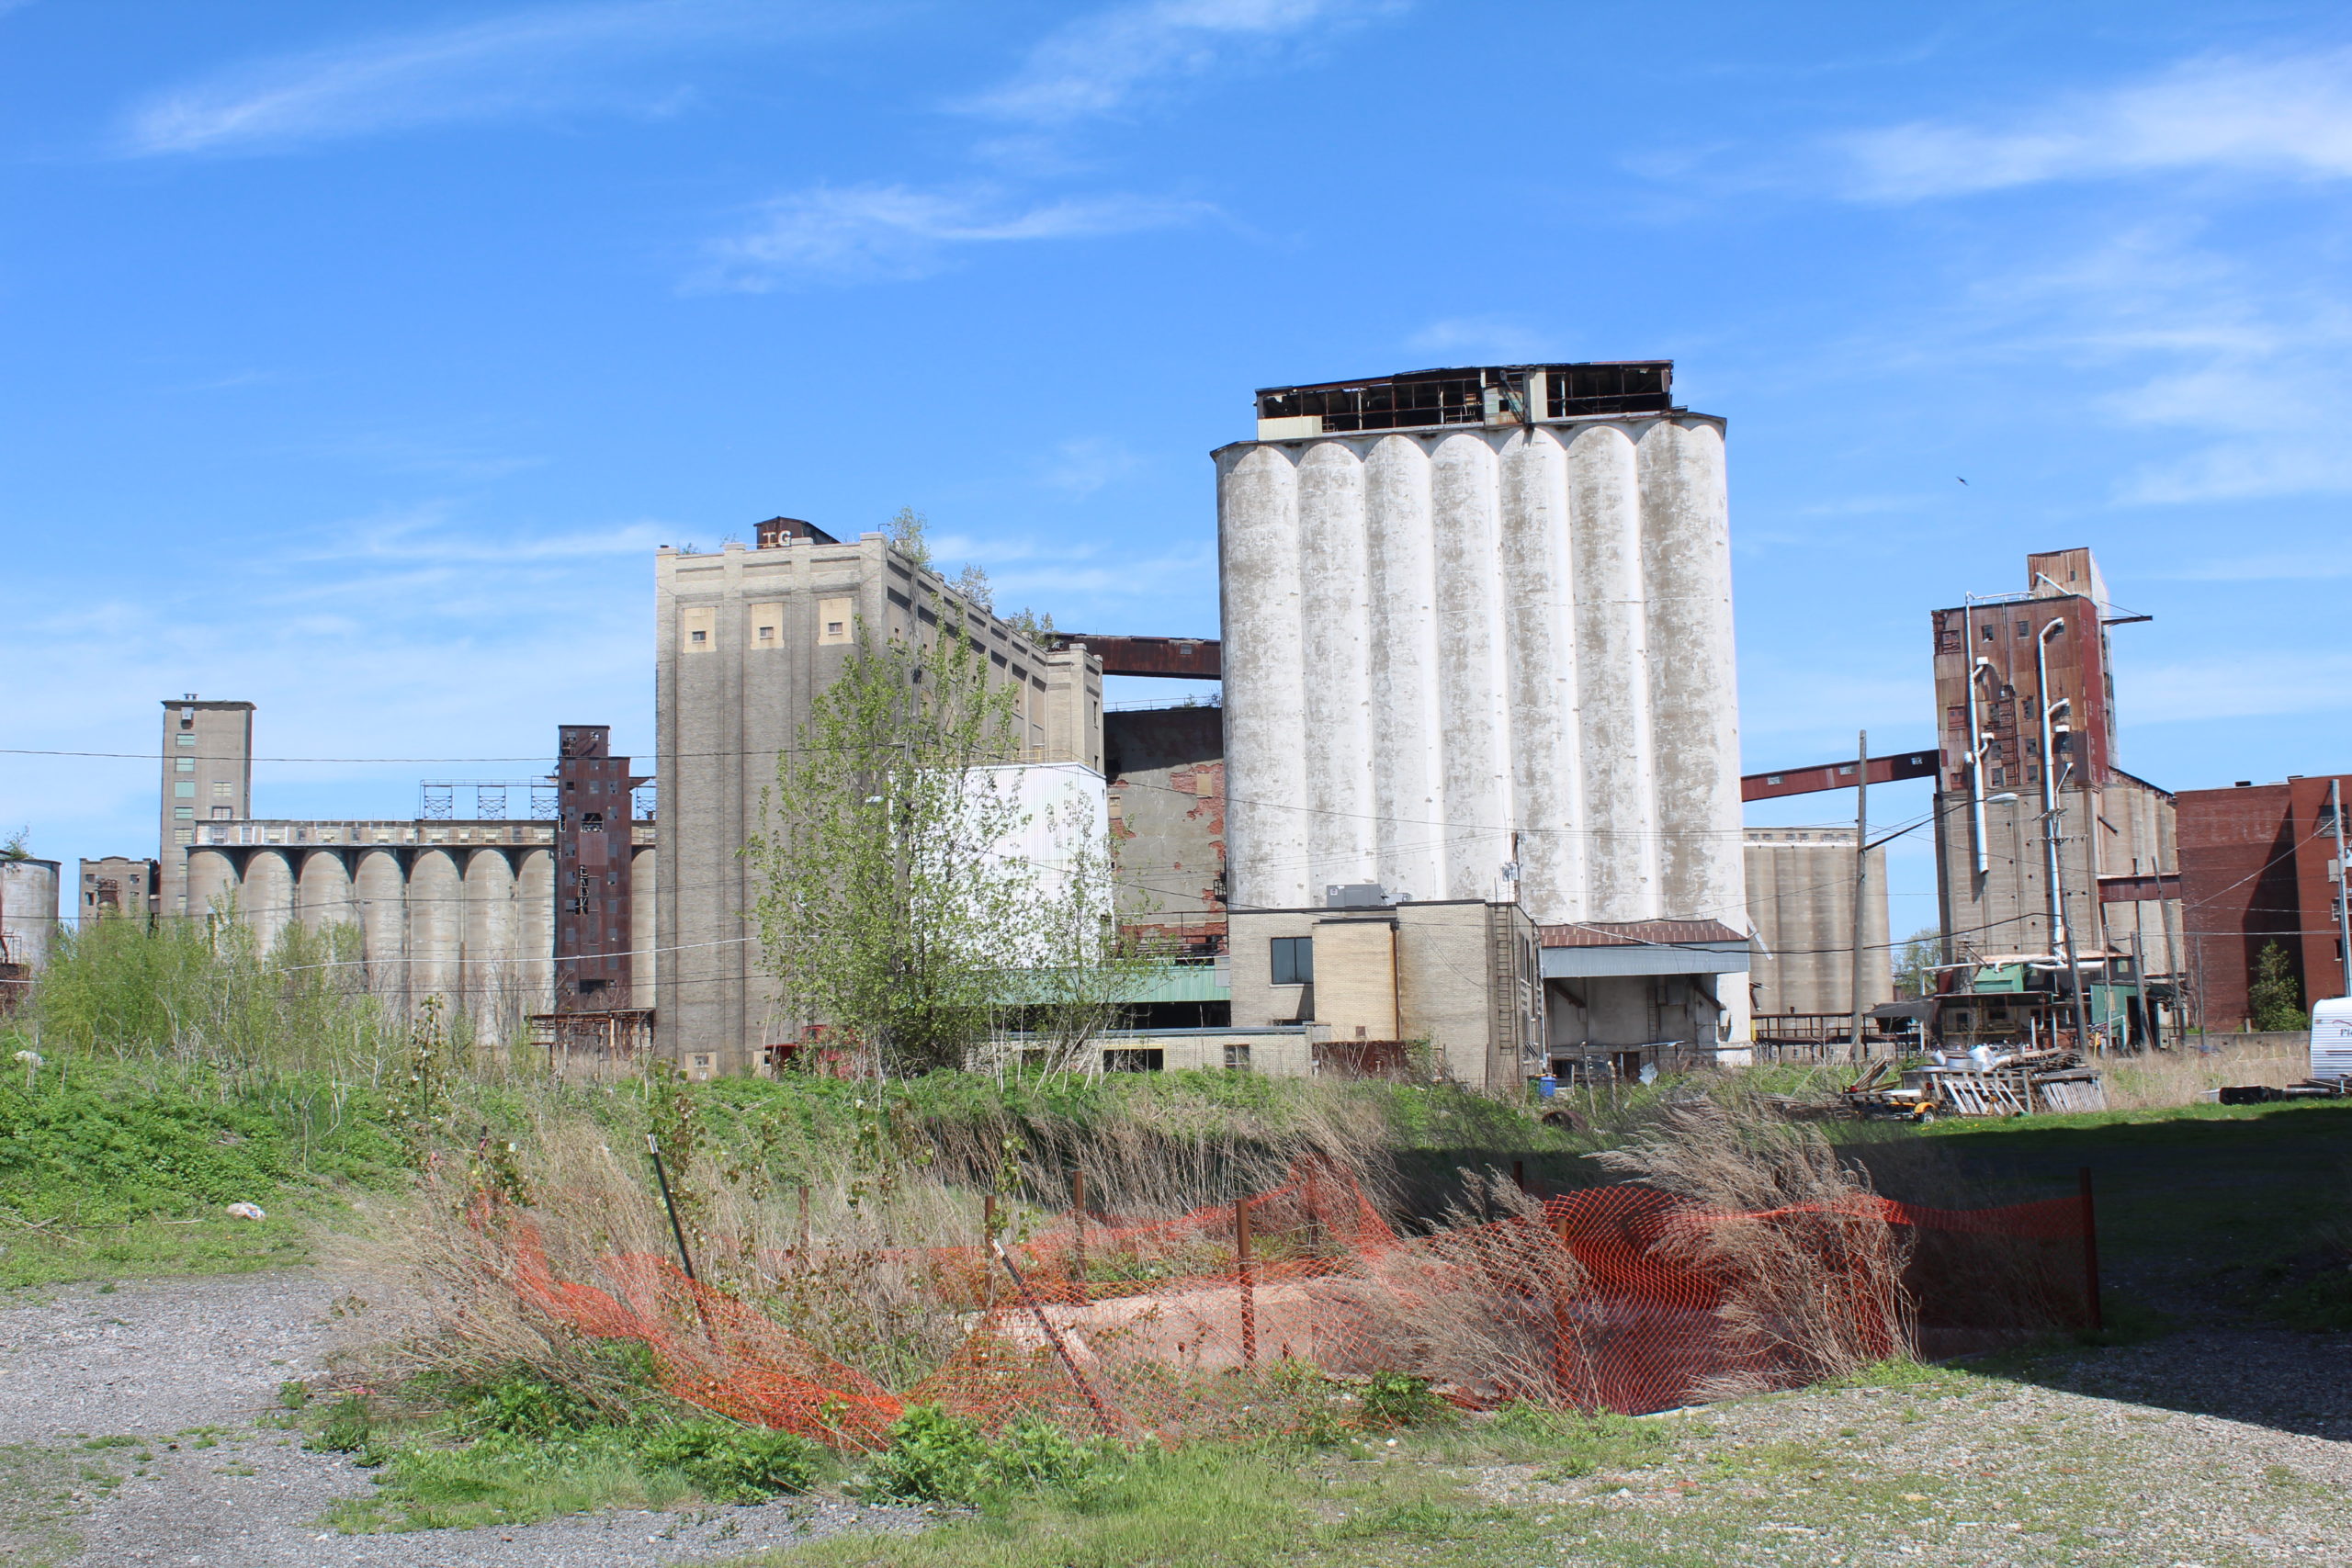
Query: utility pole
[
  {"x": 2343, "y": 879},
  {"x": 1862, "y": 878}
]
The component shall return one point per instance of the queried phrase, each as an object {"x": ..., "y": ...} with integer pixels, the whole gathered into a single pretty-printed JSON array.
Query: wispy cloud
[
  {"x": 2284, "y": 116},
  {"x": 545, "y": 59},
  {"x": 424, "y": 538},
  {"x": 1081, "y": 467},
  {"x": 2254, "y": 683},
  {"x": 2238, "y": 357},
  {"x": 1487, "y": 337},
  {"x": 1101, "y": 64},
  {"x": 867, "y": 234},
  {"x": 448, "y": 459},
  {"x": 2265, "y": 566}
]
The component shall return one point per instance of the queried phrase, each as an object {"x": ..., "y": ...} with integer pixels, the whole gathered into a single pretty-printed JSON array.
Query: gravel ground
[
  {"x": 2212, "y": 1447},
  {"x": 187, "y": 1366},
  {"x": 2218, "y": 1446}
]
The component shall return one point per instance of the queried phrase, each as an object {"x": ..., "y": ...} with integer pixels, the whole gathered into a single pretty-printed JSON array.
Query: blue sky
[{"x": 360, "y": 354}]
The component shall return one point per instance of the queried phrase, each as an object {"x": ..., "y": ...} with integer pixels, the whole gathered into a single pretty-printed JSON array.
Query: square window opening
[{"x": 1293, "y": 959}]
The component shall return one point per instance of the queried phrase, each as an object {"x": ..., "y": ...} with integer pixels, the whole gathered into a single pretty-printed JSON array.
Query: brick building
[{"x": 2254, "y": 868}]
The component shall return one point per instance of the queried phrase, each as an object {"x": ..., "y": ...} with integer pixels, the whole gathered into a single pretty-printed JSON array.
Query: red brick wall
[{"x": 2252, "y": 871}]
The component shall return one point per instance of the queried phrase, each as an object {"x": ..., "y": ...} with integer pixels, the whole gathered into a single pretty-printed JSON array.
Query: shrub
[
  {"x": 936, "y": 1457},
  {"x": 525, "y": 1406},
  {"x": 734, "y": 1464},
  {"x": 933, "y": 1457}
]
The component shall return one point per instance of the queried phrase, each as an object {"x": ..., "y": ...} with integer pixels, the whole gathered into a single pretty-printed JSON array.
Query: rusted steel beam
[
  {"x": 2150, "y": 888},
  {"x": 1836, "y": 775},
  {"x": 1184, "y": 658}
]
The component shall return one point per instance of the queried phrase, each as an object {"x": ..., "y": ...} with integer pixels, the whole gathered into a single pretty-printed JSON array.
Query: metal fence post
[{"x": 2091, "y": 1250}]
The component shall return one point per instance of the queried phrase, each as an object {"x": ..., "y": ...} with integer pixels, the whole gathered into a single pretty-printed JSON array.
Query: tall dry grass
[
  {"x": 2188, "y": 1075},
  {"x": 1811, "y": 1271},
  {"x": 840, "y": 1260}
]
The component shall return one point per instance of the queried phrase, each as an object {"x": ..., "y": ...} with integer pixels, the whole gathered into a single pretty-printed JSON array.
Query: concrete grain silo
[
  {"x": 28, "y": 907},
  {"x": 1478, "y": 647}
]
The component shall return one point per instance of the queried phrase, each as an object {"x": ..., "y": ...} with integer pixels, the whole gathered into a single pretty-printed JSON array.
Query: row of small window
[
  {"x": 1153, "y": 1059},
  {"x": 222, "y": 789},
  {"x": 219, "y": 812},
  {"x": 834, "y": 617}
]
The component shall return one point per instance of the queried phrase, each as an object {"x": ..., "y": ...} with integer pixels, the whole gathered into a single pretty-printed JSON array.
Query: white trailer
[{"x": 2332, "y": 1040}]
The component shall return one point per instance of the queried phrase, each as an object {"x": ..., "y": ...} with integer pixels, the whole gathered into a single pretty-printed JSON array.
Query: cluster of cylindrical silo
[
  {"x": 473, "y": 925},
  {"x": 1454, "y": 651}
]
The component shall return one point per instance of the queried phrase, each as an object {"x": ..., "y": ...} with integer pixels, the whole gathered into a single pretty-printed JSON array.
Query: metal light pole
[
  {"x": 2050, "y": 824},
  {"x": 1861, "y": 879}
]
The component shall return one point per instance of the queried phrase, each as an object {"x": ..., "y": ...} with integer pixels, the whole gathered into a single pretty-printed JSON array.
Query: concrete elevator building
[
  {"x": 745, "y": 638},
  {"x": 1477, "y": 646}
]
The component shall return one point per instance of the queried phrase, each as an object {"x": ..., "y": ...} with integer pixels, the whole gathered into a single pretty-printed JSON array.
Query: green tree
[
  {"x": 2275, "y": 1001},
  {"x": 1916, "y": 960},
  {"x": 909, "y": 534},
  {"x": 894, "y": 910}
]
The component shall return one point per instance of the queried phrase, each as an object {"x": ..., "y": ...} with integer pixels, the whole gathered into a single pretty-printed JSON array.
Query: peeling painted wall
[{"x": 1447, "y": 648}]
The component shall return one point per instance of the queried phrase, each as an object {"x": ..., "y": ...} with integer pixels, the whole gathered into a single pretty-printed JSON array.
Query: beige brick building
[{"x": 745, "y": 639}]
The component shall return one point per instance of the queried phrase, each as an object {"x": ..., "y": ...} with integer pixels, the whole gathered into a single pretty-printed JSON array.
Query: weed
[
  {"x": 347, "y": 1428},
  {"x": 1398, "y": 1399},
  {"x": 1900, "y": 1371},
  {"x": 1571, "y": 1443},
  {"x": 734, "y": 1464},
  {"x": 293, "y": 1393},
  {"x": 936, "y": 1456},
  {"x": 521, "y": 1405}
]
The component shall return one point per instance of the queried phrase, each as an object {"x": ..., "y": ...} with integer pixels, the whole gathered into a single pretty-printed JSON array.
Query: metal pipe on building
[{"x": 2061, "y": 927}]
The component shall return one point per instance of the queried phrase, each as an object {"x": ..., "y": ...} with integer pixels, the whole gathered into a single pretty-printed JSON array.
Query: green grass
[
  {"x": 1757, "y": 1487},
  {"x": 36, "y": 1491},
  {"x": 499, "y": 1479},
  {"x": 517, "y": 1449},
  {"x": 109, "y": 1171},
  {"x": 2189, "y": 1201}
]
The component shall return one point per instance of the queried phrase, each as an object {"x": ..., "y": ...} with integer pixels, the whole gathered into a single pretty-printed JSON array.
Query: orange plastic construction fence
[{"x": 1619, "y": 1298}]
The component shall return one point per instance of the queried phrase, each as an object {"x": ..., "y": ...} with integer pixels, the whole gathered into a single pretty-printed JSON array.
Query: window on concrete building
[
  {"x": 182, "y": 765},
  {"x": 185, "y": 739},
  {"x": 183, "y": 836},
  {"x": 1135, "y": 1059},
  {"x": 833, "y": 616},
  {"x": 221, "y": 814},
  {"x": 184, "y": 791},
  {"x": 1293, "y": 960},
  {"x": 767, "y": 625},
  {"x": 1236, "y": 1057},
  {"x": 698, "y": 622},
  {"x": 224, "y": 790}
]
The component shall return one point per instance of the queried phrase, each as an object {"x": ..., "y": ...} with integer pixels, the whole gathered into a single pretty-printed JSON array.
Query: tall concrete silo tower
[{"x": 1478, "y": 646}]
